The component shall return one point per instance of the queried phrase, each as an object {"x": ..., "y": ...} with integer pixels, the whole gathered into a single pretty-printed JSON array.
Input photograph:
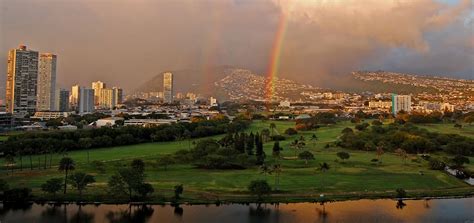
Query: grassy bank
[{"x": 355, "y": 178}]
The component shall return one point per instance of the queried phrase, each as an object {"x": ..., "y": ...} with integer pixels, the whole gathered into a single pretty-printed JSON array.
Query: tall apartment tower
[
  {"x": 168, "y": 87},
  {"x": 63, "y": 100},
  {"x": 97, "y": 86},
  {"x": 22, "y": 77},
  {"x": 86, "y": 100},
  {"x": 106, "y": 98},
  {"x": 46, "y": 100},
  {"x": 118, "y": 92},
  {"x": 401, "y": 103},
  {"x": 74, "y": 98}
]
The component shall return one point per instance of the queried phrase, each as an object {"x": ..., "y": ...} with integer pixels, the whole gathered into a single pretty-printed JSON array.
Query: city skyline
[{"x": 415, "y": 34}]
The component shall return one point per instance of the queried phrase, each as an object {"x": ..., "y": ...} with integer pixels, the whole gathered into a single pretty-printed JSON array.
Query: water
[{"x": 439, "y": 210}]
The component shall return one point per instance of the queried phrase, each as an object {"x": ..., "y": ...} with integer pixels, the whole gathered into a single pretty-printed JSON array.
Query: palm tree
[
  {"x": 277, "y": 170},
  {"x": 379, "y": 152},
  {"x": 272, "y": 128},
  {"x": 323, "y": 167},
  {"x": 313, "y": 139},
  {"x": 66, "y": 164},
  {"x": 265, "y": 170}
]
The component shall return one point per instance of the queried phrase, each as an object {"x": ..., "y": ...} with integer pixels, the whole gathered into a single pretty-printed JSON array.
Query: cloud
[{"x": 127, "y": 42}]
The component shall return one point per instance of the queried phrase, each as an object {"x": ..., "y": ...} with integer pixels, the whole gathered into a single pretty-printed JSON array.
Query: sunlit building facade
[
  {"x": 21, "y": 83},
  {"x": 168, "y": 87},
  {"x": 46, "y": 100},
  {"x": 74, "y": 97},
  {"x": 98, "y": 86}
]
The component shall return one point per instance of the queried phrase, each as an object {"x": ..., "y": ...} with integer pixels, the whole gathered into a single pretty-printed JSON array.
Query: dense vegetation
[
  {"x": 31, "y": 143},
  {"x": 405, "y": 136}
]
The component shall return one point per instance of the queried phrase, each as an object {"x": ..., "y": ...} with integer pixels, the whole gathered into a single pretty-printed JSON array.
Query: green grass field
[{"x": 356, "y": 177}]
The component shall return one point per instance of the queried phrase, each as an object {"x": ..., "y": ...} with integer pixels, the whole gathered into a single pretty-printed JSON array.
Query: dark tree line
[{"x": 47, "y": 143}]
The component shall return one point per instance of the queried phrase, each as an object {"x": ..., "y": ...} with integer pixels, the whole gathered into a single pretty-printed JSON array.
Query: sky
[{"x": 126, "y": 42}]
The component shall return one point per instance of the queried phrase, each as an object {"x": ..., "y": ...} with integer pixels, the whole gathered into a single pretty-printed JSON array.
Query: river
[{"x": 436, "y": 210}]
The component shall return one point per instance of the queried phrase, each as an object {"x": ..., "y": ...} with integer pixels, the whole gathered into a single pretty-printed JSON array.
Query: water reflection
[
  {"x": 135, "y": 213},
  {"x": 448, "y": 210}
]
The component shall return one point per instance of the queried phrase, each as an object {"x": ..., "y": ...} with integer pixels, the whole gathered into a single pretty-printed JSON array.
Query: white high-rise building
[
  {"x": 401, "y": 103},
  {"x": 46, "y": 100},
  {"x": 22, "y": 80},
  {"x": 168, "y": 87},
  {"x": 86, "y": 100}
]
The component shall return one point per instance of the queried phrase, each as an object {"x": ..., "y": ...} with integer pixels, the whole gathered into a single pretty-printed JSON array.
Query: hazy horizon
[{"x": 125, "y": 43}]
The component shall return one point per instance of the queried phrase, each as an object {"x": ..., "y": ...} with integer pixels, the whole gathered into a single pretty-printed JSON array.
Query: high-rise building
[
  {"x": 401, "y": 103},
  {"x": 168, "y": 87},
  {"x": 86, "y": 100},
  {"x": 106, "y": 98},
  {"x": 46, "y": 82},
  {"x": 118, "y": 92},
  {"x": 74, "y": 98},
  {"x": 97, "y": 86},
  {"x": 63, "y": 100},
  {"x": 22, "y": 77}
]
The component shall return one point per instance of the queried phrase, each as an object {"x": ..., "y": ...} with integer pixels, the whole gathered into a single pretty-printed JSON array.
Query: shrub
[
  {"x": 259, "y": 188},
  {"x": 436, "y": 164},
  {"x": 291, "y": 131}
]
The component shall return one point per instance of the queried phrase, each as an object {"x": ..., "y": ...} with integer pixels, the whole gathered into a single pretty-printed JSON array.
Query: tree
[
  {"x": 343, "y": 155},
  {"x": 306, "y": 155},
  {"x": 165, "y": 161},
  {"x": 379, "y": 152},
  {"x": 276, "y": 168},
  {"x": 250, "y": 144},
  {"x": 259, "y": 153},
  {"x": 265, "y": 135},
  {"x": 291, "y": 131},
  {"x": 80, "y": 181},
  {"x": 259, "y": 188},
  {"x": 313, "y": 139},
  {"x": 276, "y": 149},
  {"x": 3, "y": 186},
  {"x": 178, "y": 190},
  {"x": 138, "y": 165},
  {"x": 459, "y": 161},
  {"x": 86, "y": 143},
  {"x": 323, "y": 168},
  {"x": 52, "y": 186},
  {"x": 401, "y": 193},
  {"x": 145, "y": 189},
  {"x": 65, "y": 165},
  {"x": 402, "y": 154},
  {"x": 272, "y": 129},
  {"x": 265, "y": 170},
  {"x": 10, "y": 160}
]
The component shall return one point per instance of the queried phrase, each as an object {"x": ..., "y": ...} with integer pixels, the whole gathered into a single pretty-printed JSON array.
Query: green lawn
[{"x": 356, "y": 176}]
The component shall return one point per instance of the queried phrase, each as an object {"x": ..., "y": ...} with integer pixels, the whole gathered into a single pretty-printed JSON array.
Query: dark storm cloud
[{"x": 126, "y": 42}]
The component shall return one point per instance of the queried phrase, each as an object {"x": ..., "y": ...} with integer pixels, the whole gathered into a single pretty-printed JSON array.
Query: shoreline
[{"x": 251, "y": 200}]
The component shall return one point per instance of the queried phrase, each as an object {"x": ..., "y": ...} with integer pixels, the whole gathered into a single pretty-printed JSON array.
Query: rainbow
[{"x": 274, "y": 65}]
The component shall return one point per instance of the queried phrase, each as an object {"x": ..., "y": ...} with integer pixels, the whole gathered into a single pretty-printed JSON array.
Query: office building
[
  {"x": 63, "y": 100},
  {"x": 401, "y": 103},
  {"x": 22, "y": 80},
  {"x": 74, "y": 97},
  {"x": 97, "y": 86},
  {"x": 46, "y": 100},
  {"x": 86, "y": 100},
  {"x": 168, "y": 87}
]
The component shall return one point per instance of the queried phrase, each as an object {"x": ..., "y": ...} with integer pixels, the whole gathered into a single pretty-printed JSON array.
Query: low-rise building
[
  {"x": 110, "y": 121},
  {"x": 47, "y": 115},
  {"x": 148, "y": 122}
]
